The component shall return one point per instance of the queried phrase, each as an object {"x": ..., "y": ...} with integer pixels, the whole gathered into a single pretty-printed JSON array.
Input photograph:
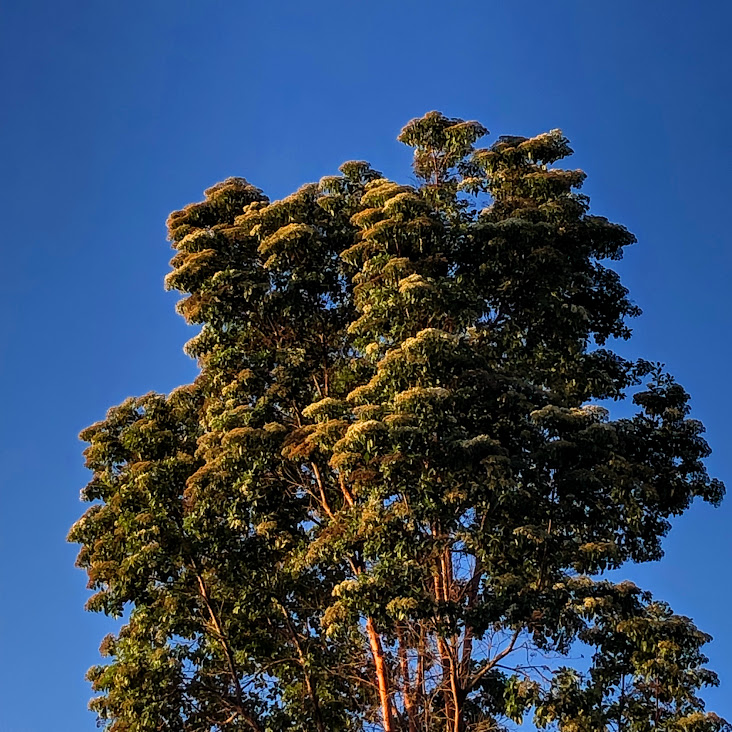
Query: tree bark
[
  {"x": 377, "y": 651},
  {"x": 407, "y": 690}
]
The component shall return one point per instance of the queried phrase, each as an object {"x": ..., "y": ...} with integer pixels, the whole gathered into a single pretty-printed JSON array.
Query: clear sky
[{"x": 115, "y": 113}]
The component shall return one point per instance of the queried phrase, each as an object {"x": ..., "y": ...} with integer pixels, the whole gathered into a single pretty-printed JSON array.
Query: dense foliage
[{"x": 391, "y": 498}]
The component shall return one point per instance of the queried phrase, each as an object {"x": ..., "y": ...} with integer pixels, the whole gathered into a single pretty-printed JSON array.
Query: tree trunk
[{"x": 377, "y": 652}]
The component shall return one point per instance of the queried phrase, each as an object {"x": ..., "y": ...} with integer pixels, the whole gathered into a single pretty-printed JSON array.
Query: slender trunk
[
  {"x": 445, "y": 682},
  {"x": 448, "y": 573},
  {"x": 471, "y": 595},
  {"x": 454, "y": 708},
  {"x": 347, "y": 495},
  {"x": 457, "y": 714},
  {"x": 377, "y": 652},
  {"x": 309, "y": 685},
  {"x": 467, "y": 654},
  {"x": 621, "y": 705},
  {"x": 419, "y": 680},
  {"x": 407, "y": 690},
  {"x": 446, "y": 663},
  {"x": 321, "y": 488},
  {"x": 241, "y": 709}
]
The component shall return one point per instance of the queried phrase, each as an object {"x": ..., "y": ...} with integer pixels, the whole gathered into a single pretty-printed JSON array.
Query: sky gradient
[{"x": 114, "y": 114}]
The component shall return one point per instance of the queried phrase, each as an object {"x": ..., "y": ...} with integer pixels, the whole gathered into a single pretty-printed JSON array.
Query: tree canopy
[{"x": 392, "y": 496}]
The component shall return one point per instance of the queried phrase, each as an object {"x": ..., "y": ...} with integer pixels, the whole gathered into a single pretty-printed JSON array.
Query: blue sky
[{"x": 114, "y": 114}]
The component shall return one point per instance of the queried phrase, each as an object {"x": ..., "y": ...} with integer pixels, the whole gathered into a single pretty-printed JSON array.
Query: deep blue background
[{"x": 114, "y": 114}]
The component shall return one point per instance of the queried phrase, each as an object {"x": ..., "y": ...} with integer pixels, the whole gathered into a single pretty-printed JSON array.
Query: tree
[{"x": 391, "y": 497}]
